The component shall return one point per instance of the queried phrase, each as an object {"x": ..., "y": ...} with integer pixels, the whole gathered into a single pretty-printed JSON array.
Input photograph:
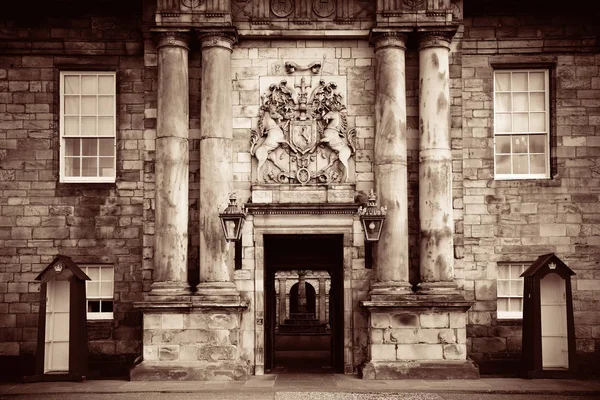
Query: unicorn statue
[
  {"x": 274, "y": 137},
  {"x": 342, "y": 145}
]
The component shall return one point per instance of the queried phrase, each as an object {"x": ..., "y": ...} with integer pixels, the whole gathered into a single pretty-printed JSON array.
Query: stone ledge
[
  {"x": 418, "y": 304},
  {"x": 189, "y": 371},
  {"x": 420, "y": 370},
  {"x": 189, "y": 305}
]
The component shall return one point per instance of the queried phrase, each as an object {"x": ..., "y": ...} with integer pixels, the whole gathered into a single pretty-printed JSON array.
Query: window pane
[
  {"x": 106, "y": 126},
  {"x": 88, "y": 126},
  {"x": 503, "y": 144},
  {"x": 88, "y": 105},
  {"x": 516, "y": 288},
  {"x": 106, "y": 84},
  {"x": 519, "y": 81},
  {"x": 72, "y": 166},
  {"x": 520, "y": 164},
  {"x": 93, "y": 289},
  {"x": 520, "y": 122},
  {"x": 108, "y": 274},
  {"x": 503, "y": 123},
  {"x": 107, "y": 306},
  {"x": 89, "y": 84},
  {"x": 106, "y": 290},
  {"x": 503, "y": 164},
  {"x": 71, "y": 84},
  {"x": 72, "y": 105},
  {"x": 107, "y": 166},
  {"x": 72, "y": 147},
  {"x": 519, "y": 144},
  {"x": 537, "y": 143},
  {"x": 538, "y": 164},
  {"x": 93, "y": 273},
  {"x": 503, "y": 288},
  {"x": 107, "y": 147},
  {"x": 93, "y": 305},
  {"x": 89, "y": 147},
  {"x": 89, "y": 166},
  {"x": 503, "y": 102},
  {"x": 502, "y": 81},
  {"x": 537, "y": 101},
  {"x": 106, "y": 105},
  {"x": 538, "y": 122},
  {"x": 502, "y": 304},
  {"x": 537, "y": 81},
  {"x": 516, "y": 305},
  {"x": 71, "y": 126},
  {"x": 503, "y": 272},
  {"x": 520, "y": 102}
]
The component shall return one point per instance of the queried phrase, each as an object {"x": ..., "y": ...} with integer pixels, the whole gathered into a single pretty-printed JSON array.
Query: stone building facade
[{"x": 301, "y": 108}]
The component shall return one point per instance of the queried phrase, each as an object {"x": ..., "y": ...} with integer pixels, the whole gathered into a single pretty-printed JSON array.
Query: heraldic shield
[{"x": 302, "y": 138}]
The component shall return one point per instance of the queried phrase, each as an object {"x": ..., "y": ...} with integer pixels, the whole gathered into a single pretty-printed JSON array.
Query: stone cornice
[
  {"x": 388, "y": 38},
  {"x": 435, "y": 37},
  {"x": 172, "y": 37},
  {"x": 224, "y": 38},
  {"x": 301, "y": 208}
]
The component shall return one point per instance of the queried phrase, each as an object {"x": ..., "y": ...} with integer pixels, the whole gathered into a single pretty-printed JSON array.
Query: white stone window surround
[
  {"x": 87, "y": 126},
  {"x": 510, "y": 290},
  {"x": 99, "y": 291},
  {"x": 521, "y": 123}
]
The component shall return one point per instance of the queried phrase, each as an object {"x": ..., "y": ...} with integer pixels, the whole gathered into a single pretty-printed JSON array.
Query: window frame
[
  {"x": 547, "y": 121},
  {"x": 63, "y": 178},
  {"x": 96, "y": 316},
  {"x": 510, "y": 315}
]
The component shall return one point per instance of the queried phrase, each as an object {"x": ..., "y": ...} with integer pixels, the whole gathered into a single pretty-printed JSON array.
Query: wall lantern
[
  {"x": 372, "y": 218},
  {"x": 232, "y": 220}
]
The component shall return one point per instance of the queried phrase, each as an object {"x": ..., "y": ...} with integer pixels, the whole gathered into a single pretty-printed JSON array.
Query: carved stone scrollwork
[
  {"x": 173, "y": 38},
  {"x": 224, "y": 39},
  {"x": 302, "y": 136},
  {"x": 414, "y": 4},
  {"x": 191, "y": 3},
  {"x": 389, "y": 39},
  {"x": 440, "y": 38},
  {"x": 291, "y": 67}
]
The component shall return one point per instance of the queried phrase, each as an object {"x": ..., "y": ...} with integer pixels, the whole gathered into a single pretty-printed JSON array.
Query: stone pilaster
[
  {"x": 435, "y": 165},
  {"x": 391, "y": 260},
  {"x": 322, "y": 301},
  {"x": 282, "y": 301},
  {"x": 172, "y": 168},
  {"x": 216, "y": 176}
]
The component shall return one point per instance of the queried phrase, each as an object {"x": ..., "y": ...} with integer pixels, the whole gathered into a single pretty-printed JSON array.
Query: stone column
[
  {"x": 172, "y": 169},
  {"x": 391, "y": 261},
  {"x": 435, "y": 164},
  {"x": 216, "y": 176},
  {"x": 282, "y": 301},
  {"x": 322, "y": 301}
]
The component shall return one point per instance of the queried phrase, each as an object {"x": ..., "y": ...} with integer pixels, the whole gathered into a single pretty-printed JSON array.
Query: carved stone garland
[{"x": 302, "y": 137}]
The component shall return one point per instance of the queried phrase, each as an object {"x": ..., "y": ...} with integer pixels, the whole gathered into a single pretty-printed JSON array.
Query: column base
[
  {"x": 170, "y": 289},
  {"x": 189, "y": 371},
  {"x": 420, "y": 369},
  {"x": 447, "y": 291},
  {"x": 217, "y": 292},
  {"x": 386, "y": 291}
]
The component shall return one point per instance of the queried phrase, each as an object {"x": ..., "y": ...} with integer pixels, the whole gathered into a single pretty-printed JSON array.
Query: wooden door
[
  {"x": 555, "y": 350},
  {"x": 56, "y": 358}
]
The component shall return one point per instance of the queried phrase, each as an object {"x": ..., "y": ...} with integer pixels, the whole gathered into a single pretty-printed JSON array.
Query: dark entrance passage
[{"x": 304, "y": 325}]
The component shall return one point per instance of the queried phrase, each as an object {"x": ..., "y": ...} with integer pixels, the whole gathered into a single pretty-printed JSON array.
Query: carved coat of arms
[{"x": 302, "y": 137}]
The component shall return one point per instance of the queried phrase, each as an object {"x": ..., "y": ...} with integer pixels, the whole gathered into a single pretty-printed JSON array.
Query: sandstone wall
[{"x": 510, "y": 221}]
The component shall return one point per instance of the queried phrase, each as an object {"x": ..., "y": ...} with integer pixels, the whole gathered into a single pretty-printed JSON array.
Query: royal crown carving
[{"x": 303, "y": 136}]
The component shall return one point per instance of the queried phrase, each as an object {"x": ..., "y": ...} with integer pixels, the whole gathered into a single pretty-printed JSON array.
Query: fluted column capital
[
  {"x": 388, "y": 39},
  {"x": 435, "y": 38},
  {"x": 217, "y": 38},
  {"x": 173, "y": 38}
]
